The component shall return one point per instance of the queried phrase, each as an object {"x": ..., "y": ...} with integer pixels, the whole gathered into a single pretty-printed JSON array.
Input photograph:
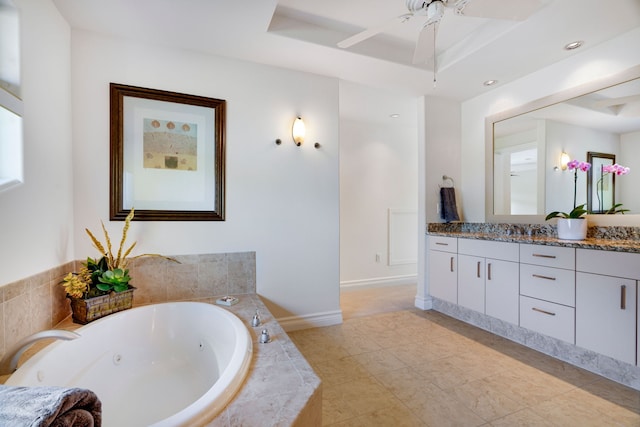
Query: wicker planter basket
[{"x": 88, "y": 310}]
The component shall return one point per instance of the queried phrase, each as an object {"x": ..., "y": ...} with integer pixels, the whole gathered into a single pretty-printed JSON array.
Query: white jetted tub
[{"x": 172, "y": 364}]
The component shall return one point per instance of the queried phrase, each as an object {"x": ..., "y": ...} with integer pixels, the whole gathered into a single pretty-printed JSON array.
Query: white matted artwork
[{"x": 167, "y": 154}]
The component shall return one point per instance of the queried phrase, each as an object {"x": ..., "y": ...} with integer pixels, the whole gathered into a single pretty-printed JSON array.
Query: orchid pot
[{"x": 572, "y": 228}]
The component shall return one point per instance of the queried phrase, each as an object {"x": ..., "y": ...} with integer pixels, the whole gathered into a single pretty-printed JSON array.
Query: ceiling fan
[{"x": 434, "y": 10}]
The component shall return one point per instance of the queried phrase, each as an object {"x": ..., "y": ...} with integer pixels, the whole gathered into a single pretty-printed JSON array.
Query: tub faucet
[{"x": 9, "y": 362}]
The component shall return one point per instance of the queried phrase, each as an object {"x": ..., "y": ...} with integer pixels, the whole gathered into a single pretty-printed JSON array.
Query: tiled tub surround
[
  {"x": 39, "y": 302},
  {"x": 617, "y": 239},
  {"x": 280, "y": 389}
]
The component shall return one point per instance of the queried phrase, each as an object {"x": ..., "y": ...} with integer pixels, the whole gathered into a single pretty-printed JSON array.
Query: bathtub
[{"x": 169, "y": 364}]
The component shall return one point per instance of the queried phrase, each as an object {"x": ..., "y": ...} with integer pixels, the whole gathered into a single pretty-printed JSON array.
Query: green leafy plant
[
  {"x": 577, "y": 212},
  {"x": 116, "y": 280},
  {"x": 107, "y": 274},
  {"x": 615, "y": 209}
]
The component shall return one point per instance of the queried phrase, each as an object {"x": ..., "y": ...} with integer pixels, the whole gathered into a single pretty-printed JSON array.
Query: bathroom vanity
[{"x": 574, "y": 300}]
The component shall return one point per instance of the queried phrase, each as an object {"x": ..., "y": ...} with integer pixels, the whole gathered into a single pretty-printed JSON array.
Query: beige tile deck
[{"x": 390, "y": 364}]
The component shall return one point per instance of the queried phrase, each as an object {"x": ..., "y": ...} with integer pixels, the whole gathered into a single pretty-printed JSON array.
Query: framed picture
[
  {"x": 601, "y": 186},
  {"x": 167, "y": 155}
]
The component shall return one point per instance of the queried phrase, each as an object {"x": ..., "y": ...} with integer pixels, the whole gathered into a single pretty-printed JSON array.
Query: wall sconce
[
  {"x": 297, "y": 131},
  {"x": 564, "y": 160}
]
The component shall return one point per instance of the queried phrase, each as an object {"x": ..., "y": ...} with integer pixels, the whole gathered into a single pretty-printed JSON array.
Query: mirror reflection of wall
[
  {"x": 516, "y": 165},
  {"x": 606, "y": 121}
]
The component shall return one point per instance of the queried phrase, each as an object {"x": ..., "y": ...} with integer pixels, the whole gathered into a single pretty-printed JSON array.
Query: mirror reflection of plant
[
  {"x": 578, "y": 211},
  {"x": 604, "y": 171}
]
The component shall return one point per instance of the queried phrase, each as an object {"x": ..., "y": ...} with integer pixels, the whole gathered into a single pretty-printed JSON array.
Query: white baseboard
[
  {"x": 294, "y": 323},
  {"x": 379, "y": 282},
  {"x": 424, "y": 303}
]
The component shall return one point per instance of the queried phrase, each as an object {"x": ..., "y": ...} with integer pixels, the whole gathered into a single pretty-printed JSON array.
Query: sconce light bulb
[
  {"x": 564, "y": 160},
  {"x": 298, "y": 131}
]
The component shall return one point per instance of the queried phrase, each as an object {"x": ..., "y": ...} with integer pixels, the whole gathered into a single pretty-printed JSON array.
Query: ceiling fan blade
[
  {"x": 610, "y": 102},
  {"x": 515, "y": 10},
  {"x": 370, "y": 32},
  {"x": 425, "y": 45}
]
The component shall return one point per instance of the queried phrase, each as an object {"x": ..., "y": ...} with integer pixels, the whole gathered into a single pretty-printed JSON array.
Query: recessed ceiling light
[
  {"x": 490, "y": 82},
  {"x": 573, "y": 45},
  {"x": 394, "y": 115}
]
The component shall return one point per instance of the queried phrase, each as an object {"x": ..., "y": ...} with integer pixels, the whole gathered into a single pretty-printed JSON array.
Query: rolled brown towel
[{"x": 49, "y": 407}]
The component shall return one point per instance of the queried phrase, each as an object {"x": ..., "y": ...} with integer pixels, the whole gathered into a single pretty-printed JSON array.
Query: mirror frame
[
  {"x": 592, "y": 179},
  {"x": 596, "y": 85}
]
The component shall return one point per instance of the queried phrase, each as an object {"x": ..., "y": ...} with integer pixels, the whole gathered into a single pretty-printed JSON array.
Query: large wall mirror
[{"x": 527, "y": 149}]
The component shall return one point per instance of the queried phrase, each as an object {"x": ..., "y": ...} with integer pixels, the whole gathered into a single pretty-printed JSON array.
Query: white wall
[
  {"x": 442, "y": 138},
  {"x": 597, "y": 62},
  {"x": 281, "y": 201},
  {"x": 378, "y": 172},
  {"x": 439, "y": 154},
  {"x": 36, "y": 217}
]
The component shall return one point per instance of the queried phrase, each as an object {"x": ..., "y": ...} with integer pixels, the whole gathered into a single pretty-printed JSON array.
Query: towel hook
[{"x": 447, "y": 178}]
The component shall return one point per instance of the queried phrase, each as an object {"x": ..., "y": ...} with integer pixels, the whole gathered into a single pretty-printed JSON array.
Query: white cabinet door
[
  {"x": 606, "y": 315},
  {"x": 443, "y": 275},
  {"x": 501, "y": 290},
  {"x": 471, "y": 274}
]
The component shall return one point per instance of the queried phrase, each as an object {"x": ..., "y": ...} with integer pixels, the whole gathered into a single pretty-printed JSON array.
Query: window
[{"x": 10, "y": 101}]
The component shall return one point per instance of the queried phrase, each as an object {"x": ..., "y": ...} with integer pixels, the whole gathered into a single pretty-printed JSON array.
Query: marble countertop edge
[{"x": 613, "y": 239}]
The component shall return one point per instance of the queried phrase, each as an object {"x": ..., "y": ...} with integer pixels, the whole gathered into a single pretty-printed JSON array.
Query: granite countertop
[{"x": 618, "y": 239}]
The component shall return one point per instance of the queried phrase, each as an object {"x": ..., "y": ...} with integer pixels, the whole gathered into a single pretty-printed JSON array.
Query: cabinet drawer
[
  {"x": 505, "y": 251},
  {"x": 549, "y": 284},
  {"x": 608, "y": 263},
  {"x": 550, "y": 256},
  {"x": 442, "y": 243},
  {"x": 548, "y": 318}
]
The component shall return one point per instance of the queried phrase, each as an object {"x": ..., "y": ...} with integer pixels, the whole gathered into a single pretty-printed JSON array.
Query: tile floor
[{"x": 390, "y": 364}]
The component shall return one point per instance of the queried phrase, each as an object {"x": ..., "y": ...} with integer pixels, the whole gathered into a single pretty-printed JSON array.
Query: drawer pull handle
[
  {"x": 544, "y": 256},
  {"x": 442, "y": 244},
  {"x": 478, "y": 272},
  {"x": 623, "y": 297},
  {"x": 538, "y": 276},
  {"x": 489, "y": 271},
  {"x": 539, "y": 310},
  {"x": 451, "y": 265}
]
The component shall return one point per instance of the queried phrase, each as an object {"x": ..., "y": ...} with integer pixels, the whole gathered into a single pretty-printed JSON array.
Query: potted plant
[
  {"x": 101, "y": 286},
  {"x": 572, "y": 225}
]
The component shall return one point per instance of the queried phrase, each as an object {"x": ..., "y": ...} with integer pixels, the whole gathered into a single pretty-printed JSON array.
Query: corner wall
[{"x": 281, "y": 201}]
